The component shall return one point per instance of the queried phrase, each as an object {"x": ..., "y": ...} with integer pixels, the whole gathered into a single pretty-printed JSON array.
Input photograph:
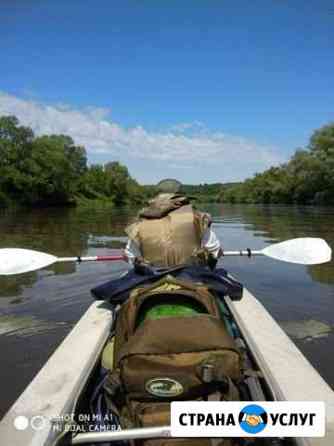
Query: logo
[
  {"x": 253, "y": 419},
  {"x": 248, "y": 419},
  {"x": 164, "y": 387}
]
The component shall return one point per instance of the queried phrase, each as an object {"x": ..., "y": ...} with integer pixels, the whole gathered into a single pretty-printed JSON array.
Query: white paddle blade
[
  {"x": 18, "y": 261},
  {"x": 306, "y": 251}
]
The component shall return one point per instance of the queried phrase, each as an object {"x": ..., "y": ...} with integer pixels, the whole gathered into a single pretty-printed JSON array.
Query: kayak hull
[
  {"x": 288, "y": 373},
  {"x": 55, "y": 390}
]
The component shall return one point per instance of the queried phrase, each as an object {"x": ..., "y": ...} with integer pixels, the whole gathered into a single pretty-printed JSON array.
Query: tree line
[
  {"x": 52, "y": 170},
  {"x": 307, "y": 178},
  {"x": 206, "y": 193}
]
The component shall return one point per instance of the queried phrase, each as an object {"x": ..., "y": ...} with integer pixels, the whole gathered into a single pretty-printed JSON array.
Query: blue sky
[{"x": 201, "y": 90}]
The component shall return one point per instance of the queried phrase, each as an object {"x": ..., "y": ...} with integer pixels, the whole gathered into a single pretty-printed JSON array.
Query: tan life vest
[{"x": 171, "y": 240}]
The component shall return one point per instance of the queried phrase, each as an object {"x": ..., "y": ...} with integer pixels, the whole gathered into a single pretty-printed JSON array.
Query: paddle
[
  {"x": 18, "y": 261},
  {"x": 306, "y": 251}
]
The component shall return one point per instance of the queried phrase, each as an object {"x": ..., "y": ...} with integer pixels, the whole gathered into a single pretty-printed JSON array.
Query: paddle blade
[
  {"x": 18, "y": 261},
  {"x": 306, "y": 251}
]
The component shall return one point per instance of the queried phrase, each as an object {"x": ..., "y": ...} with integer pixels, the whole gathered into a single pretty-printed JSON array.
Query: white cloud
[
  {"x": 183, "y": 145},
  {"x": 197, "y": 126}
]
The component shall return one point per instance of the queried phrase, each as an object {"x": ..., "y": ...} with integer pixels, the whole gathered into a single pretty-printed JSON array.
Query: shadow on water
[{"x": 41, "y": 307}]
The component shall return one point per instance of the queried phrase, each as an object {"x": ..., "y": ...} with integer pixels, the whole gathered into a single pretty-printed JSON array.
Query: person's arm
[
  {"x": 135, "y": 259},
  {"x": 211, "y": 243},
  {"x": 132, "y": 251}
]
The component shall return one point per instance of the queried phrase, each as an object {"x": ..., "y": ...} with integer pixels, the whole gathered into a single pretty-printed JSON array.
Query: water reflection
[
  {"x": 11, "y": 286},
  {"x": 279, "y": 223},
  {"x": 307, "y": 330},
  {"x": 25, "y": 326},
  {"x": 61, "y": 232}
]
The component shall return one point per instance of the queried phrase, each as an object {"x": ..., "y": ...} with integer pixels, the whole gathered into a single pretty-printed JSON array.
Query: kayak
[{"x": 62, "y": 386}]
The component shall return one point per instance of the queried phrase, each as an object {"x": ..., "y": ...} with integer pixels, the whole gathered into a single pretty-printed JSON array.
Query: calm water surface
[{"x": 38, "y": 309}]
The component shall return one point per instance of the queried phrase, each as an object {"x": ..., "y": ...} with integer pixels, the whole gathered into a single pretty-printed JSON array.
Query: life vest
[{"x": 172, "y": 237}]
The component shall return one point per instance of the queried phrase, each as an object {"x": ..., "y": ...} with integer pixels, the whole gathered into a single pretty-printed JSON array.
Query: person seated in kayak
[{"x": 170, "y": 232}]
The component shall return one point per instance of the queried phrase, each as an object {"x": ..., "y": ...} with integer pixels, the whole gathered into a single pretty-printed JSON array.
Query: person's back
[{"x": 171, "y": 232}]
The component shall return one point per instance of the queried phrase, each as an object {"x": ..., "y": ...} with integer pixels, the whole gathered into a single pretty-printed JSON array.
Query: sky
[{"x": 198, "y": 90}]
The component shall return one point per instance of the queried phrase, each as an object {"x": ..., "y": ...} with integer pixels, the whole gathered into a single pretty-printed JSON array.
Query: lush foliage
[
  {"x": 306, "y": 179},
  {"x": 205, "y": 193},
  {"x": 52, "y": 170}
]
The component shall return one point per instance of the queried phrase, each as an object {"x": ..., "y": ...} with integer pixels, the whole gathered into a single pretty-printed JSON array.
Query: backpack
[{"x": 159, "y": 359}]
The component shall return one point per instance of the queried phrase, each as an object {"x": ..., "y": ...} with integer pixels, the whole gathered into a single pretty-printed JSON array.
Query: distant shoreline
[{"x": 50, "y": 171}]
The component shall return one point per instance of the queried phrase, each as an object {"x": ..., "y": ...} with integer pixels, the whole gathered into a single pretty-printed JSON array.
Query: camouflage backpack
[{"x": 170, "y": 344}]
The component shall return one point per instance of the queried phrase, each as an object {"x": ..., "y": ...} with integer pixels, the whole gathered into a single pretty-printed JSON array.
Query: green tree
[
  {"x": 15, "y": 148},
  {"x": 55, "y": 172},
  {"x": 322, "y": 147},
  {"x": 306, "y": 179},
  {"x": 42, "y": 170},
  {"x": 118, "y": 180},
  {"x": 94, "y": 182}
]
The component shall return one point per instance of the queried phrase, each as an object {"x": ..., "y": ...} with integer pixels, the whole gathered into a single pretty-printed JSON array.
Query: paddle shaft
[
  {"x": 120, "y": 257},
  {"x": 80, "y": 259},
  {"x": 247, "y": 252},
  {"x": 304, "y": 251}
]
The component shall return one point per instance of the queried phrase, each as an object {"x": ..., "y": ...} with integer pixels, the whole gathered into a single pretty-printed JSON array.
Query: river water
[{"x": 38, "y": 309}]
